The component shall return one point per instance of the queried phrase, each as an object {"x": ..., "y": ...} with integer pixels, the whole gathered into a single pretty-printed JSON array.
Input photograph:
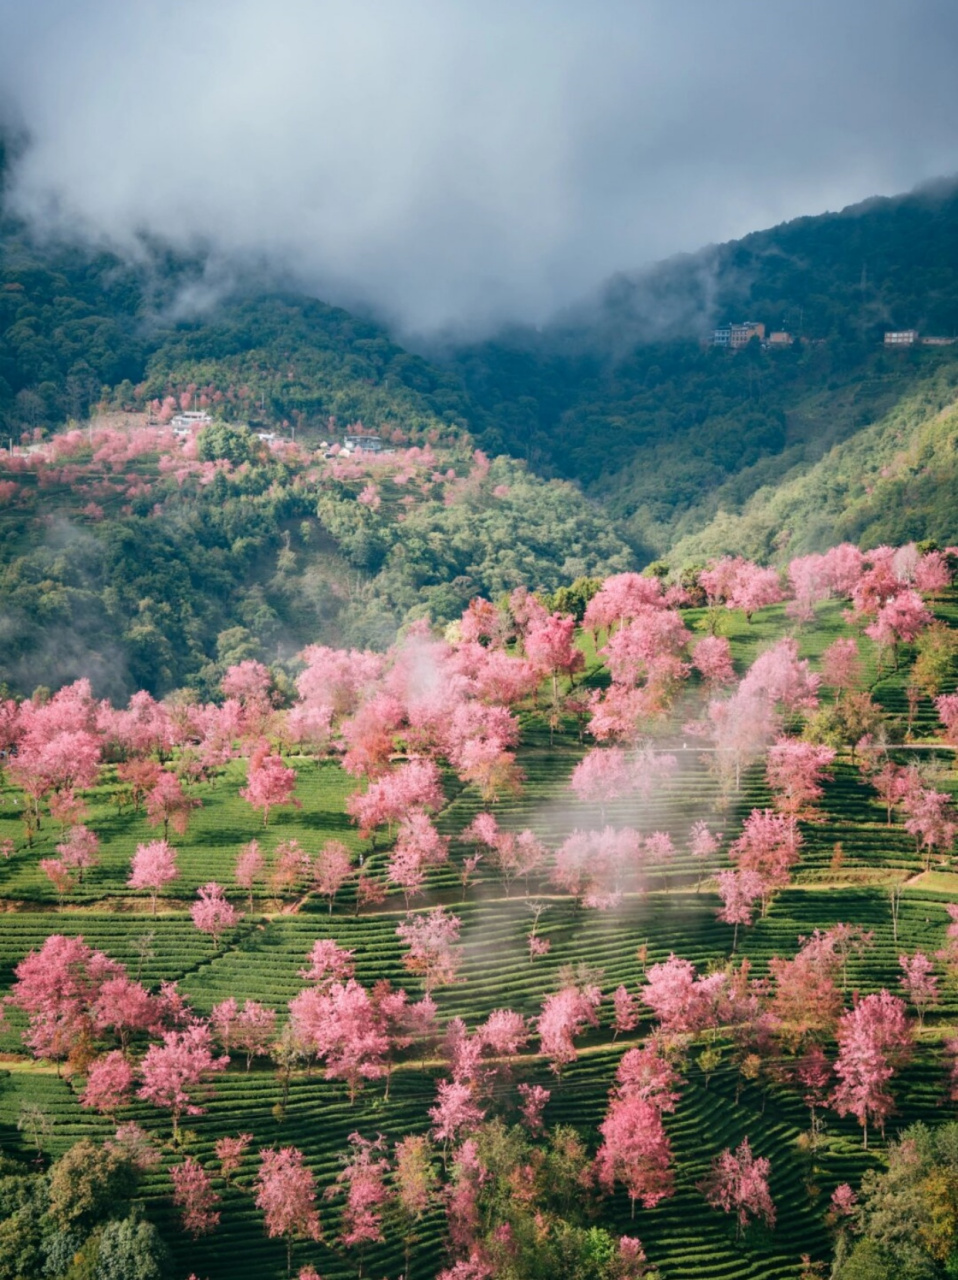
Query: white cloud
[{"x": 460, "y": 163}]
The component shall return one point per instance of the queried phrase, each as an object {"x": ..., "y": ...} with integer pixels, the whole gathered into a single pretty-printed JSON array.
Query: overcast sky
[{"x": 466, "y": 163}]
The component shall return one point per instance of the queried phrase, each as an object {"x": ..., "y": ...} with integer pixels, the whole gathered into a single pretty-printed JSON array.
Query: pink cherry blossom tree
[
  {"x": 342, "y": 1028},
  {"x": 795, "y": 770},
  {"x": 223, "y": 1021},
  {"x": 810, "y": 583},
  {"x": 712, "y": 658},
  {"x": 648, "y": 650},
  {"x": 843, "y": 567},
  {"x": 363, "y": 1177},
  {"x": 109, "y": 1083},
  {"x": 601, "y": 775},
  {"x": 55, "y": 762},
  {"x": 874, "y": 1040},
  {"x": 332, "y": 867},
  {"x": 413, "y": 785},
  {"x": 919, "y": 983},
  {"x": 168, "y": 804},
  {"x": 79, "y": 850},
  {"x": 195, "y": 1198},
  {"x": 230, "y": 1153},
  {"x": 621, "y": 598},
  {"x": 784, "y": 679},
  {"x": 269, "y": 784},
  {"x": 739, "y": 890},
  {"x": 286, "y": 1193},
  {"x": 253, "y": 1030},
  {"x": 250, "y": 684},
  {"x": 573, "y": 868},
  {"x": 931, "y": 574},
  {"x": 680, "y": 1000},
  {"x": 947, "y": 708},
  {"x": 213, "y": 914},
  {"x": 805, "y": 1000},
  {"x": 635, "y": 1151},
  {"x": 703, "y": 845},
  {"x": 144, "y": 727},
  {"x": 550, "y": 647},
  {"x": 625, "y": 1008},
  {"x": 814, "y": 1074},
  {"x": 534, "y": 1098},
  {"x": 900, "y": 621},
  {"x": 842, "y": 665},
  {"x": 290, "y": 869},
  {"x": 565, "y": 1015},
  {"x": 249, "y": 870},
  {"x": 754, "y": 588},
  {"x": 57, "y": 987},
  {"x": 931, "y": 820},
  {"x": 646, "y": 1073},
  {"x": 153, "y": 867},
  {"x": 742, "y": 726},
  {"x": 431, "y": 939},
  {"x": 62, "y": 877},
  {"x": 738, "y": 1183},
  {"x": 328, "y": 962},
  {"x": 418, "y": 846},
  {"x": 176, "y": 1073},
  {"x": 481, "y": 620},
  {"x": 126, "y": 1008},
  {"x": 769, "y": 845},
  {"x": 512, "y": 855},
  {"x": 455, "y": 1112},
  {"x": 893, "y": 785}
]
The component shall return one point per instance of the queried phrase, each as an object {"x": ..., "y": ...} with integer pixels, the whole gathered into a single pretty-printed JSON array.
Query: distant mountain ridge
[{"x": 627, "y": 397}]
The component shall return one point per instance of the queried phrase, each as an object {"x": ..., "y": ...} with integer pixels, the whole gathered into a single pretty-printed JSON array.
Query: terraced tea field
[{"x": 675, "y": 911}]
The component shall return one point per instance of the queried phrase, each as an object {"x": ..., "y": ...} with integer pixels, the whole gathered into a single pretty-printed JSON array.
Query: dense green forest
[{"x": 143, "y": 574}]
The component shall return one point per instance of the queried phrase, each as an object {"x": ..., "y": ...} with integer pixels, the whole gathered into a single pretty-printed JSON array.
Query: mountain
[
  {"x": 627, "y": 396},
  {"x": 618, "y": 435}
]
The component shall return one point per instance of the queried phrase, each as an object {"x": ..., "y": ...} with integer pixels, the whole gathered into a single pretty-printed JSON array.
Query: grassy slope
[
  {"x": 262, "y": 959},
  {"x": 892, "y": 482}
]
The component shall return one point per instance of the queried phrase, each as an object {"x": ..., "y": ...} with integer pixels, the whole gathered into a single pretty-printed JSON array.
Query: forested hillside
[
  {"x": 625, "y": 397},
  {"x": 143, "y": 560},
  {"x": 894, "y": 480},
  {"x": 116, "y": 563}
]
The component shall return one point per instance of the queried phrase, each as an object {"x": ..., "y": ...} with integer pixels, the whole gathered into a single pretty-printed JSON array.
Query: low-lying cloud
[{"x": 461, "y": 165}]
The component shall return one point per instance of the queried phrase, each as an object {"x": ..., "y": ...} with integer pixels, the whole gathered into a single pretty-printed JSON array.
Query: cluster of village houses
[
  {"x": 736, "y": 336},
  {"x": 192, "y": 420}
]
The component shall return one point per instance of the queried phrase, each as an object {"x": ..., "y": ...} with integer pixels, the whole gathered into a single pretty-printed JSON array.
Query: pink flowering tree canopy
[
  {"x": 738, "y": 1183},
  {"x": 874, "y": 1040},
  {"x": 153, "y": 867},
  {"x": 286, "y": 1193},
  {"x": 269, "y": 784},
  {"x": 195, "y": 1197},
  {"x": 432, "y": 946},
  {"x": 175, "y": 1073},
  {"x": 213, "y": 914}
]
